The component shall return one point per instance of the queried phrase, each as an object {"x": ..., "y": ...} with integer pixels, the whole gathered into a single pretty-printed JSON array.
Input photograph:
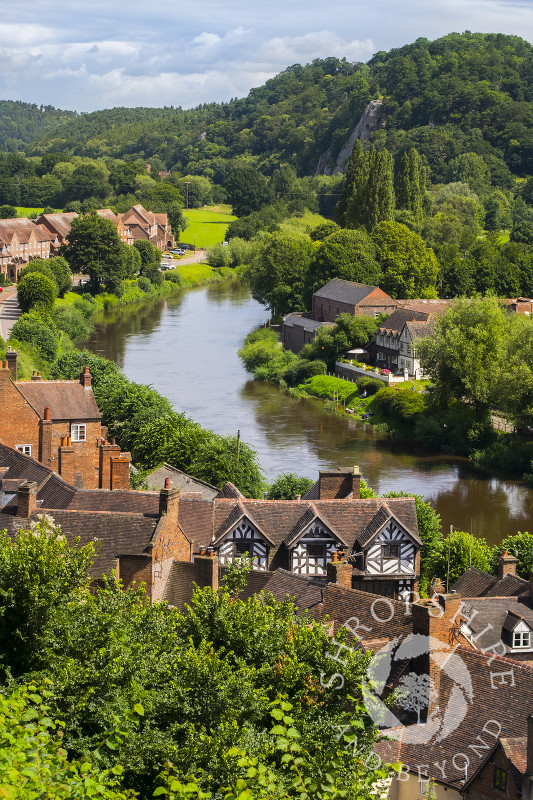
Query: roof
[
  {"x": 68, "y": 400},
  {"x": 299, "y": 321},
  {"x": 353, "y": 293},
  {"x": 180, "y": 480},
  {"x": 22, "y": 228},
  {"x": 488, "y": 617},
  {"x": 437, "y": 307},
  {"x": 59, "y": 222},
  {"x": 473, "y": 583},
  {"x": 508, "y": 586},
  {"x": 396, "y": 321},
  {"x": 123, "y": 500},
  {"x": 353, "y": 521},
  {"x": 417, "y": 330}
]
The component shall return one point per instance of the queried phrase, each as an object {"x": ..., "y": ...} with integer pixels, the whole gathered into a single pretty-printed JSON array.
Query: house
[
  {"x": 149, "y": 226},
  {"x": 379, "y": 537},
  {"x": 299, "y": 329},
  {"x": 123, "y": 231},
  {"x": 346, "y": 297},
  {"x": 394, "y": 347},
  {"x": 58, "y": 423},
  {"x": 58, "y": 226},
  {"x": 21, "y": 240}
]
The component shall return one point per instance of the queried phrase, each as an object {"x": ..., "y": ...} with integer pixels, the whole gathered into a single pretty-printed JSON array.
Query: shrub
[
  {"x": 62, "y": 274},
  {"x": 31, "y": 329},
  {"x": 153, "y": 273},
  {"x": 38, "y": 266},
  {"x": 173, "y": 277},
  {"x": 71, "y": 320},
  {"x": 369, "y": 385},
  {"x": 288, "y": 485},
  {"x": 36, "y": 290},
  {"x": 143, "y": 282},
  {"x": 399, "y": 405},
  {"x": 219, "y": 256},
  {"x": 301, "y": 370}
]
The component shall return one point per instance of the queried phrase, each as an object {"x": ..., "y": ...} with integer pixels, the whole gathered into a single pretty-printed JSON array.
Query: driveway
[
  {"x": 9, "y": 311},
  {"x": 198, "y": 257}
]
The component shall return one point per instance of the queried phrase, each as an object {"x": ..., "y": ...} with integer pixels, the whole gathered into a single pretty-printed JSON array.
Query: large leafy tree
[
  {"x": 36, "y": 291},
  {"x": 410, "y": 268},
  {"x": 278, "y": 271},
  {"x": 248, "y": 190},
  {"x": 368, "y": 192},
  {"x": 94, "y": 248},
  {"x": 346, "y": 254}
]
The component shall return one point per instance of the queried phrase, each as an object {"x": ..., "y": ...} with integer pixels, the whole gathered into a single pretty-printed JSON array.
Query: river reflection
[{"x": 186, "y": 347}]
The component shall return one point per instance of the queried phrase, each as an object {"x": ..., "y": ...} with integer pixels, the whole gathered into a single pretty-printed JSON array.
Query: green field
[
  {"x": 206, "y": 227},
  {"x": 26, "y": 212}
]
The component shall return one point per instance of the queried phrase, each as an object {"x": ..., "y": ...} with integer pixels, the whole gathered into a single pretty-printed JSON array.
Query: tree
[
  {"x": 463, "y": 355},
  {"x": 131, "y": 261},
  {"x": 30, "y": 595},
  {"x": 346, "y": 254},
  {"x": 36, "y": 291},
  {"x": 248, "y": 190},
  {"x": 410, "y": 190},
  {"x": 410, "y": 268},
  {"x": 278, "y": 270},
  {"x": 176, "y": 218},
  {"x": 225, "y": 458},
  {"x": 368, "y": 193},
  {"x": 44, "y": 336},
  {"x": 62, "y": 274},
  {"x": 87, "y": 180},
  {"x": 354, "y": 184},
  {"x": 519, "y": 545},
  {"x": 288, "y": 486},
  {"x": 8, "y": 212},
  {"x": 40, "y": 266},
  {"x": 471, "y": 169},
  {"x": 522, "y": 230},
  {"x": 462, "y": 550},
  {"x": 94, "y": 248},
  {"x": 149, "y": 254}
]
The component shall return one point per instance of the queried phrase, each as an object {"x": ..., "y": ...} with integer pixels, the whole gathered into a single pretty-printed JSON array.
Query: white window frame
[
  {"x": 521, "y": 640},
  {"x": 78, "y": 431},
  {"x": 24, "y": 448}
]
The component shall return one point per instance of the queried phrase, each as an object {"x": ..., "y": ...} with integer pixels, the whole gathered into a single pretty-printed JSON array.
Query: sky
[{"x": 86, "y": 56}]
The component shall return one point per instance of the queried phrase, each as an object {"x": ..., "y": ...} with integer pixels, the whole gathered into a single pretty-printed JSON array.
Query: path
[{"x": 9, "y": 311}]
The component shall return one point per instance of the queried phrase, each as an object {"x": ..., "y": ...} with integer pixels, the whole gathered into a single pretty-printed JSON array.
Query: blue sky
[{"x": 85, "y": 56}]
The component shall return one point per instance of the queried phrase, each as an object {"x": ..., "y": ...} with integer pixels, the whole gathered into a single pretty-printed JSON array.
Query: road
[
  {"x": 195, "y": 258},
  {"x": 9, "y": 311}
]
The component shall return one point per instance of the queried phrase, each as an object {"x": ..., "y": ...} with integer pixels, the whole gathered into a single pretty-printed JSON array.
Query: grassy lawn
[
  {"x": 26, "y": 212},
  {"x": 299, "y": 224},
  {"x": 206, "y": 227}
]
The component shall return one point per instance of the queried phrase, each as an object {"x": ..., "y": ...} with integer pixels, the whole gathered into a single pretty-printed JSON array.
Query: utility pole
[
  {"x": 449, "y": 557},
  {"x": 238, "y": 445}
]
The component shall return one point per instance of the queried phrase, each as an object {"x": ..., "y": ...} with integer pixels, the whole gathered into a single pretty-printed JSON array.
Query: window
[
  {"x": 500, "y": 778},
  {"x": 78, "y": 432},
  {"x": 391, "y": 551},
  {"x": 316, "y": 550},
  {"x": 521, "y": 639},
  {"x": 24, "y": 448},
  {"x": 243, "y": 546}
]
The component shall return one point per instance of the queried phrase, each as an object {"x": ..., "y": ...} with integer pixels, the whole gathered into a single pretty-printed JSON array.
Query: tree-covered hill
[
  {"x": 21, "y": 123},
  {"x": 467, "y": 92}
]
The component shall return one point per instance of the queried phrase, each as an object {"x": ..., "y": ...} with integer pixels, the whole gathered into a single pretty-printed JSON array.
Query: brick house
[
  {"x": 123, "y": 231},
  {"x": 58, "y": 226},
  {"x": 299, "y": 329},
  {"x": 59, "y": 424},
  {"x": 149, "y": 226},
  {"x": 346, "y": 297},
  {"x": 21, "y": 240}
]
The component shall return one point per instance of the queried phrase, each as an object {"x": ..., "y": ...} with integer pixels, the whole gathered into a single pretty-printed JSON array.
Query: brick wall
[
  {"x": 19, "y": 423},
  {"x": 136, "y": 570},
  {"x": 483, "y": 786},
  {"x": 336, "y": 485}
]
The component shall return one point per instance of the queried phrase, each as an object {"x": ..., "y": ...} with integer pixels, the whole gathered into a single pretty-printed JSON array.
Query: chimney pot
[
  {"x": 47, "y": 412},
  {"x": 298, "y": 498},
  {"x": 69, "y": 441},
  {"x": 334, "y": 556},
  {"x": 167, "y": 483}
]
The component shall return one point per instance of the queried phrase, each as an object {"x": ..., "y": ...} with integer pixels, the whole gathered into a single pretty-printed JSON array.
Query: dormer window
[{"x": 521, "y": 640}]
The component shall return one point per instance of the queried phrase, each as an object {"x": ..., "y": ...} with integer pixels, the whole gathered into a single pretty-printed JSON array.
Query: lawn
[
  {"x": 206, "y": 227},
  {"x": 26, "y": 212},
  {"x": 300, "y": 223}
]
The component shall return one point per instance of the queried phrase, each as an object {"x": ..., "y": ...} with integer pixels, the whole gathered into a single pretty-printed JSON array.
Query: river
[{"x": 186, "y": 348}]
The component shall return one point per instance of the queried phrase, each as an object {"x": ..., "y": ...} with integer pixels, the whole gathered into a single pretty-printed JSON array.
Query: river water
[{"x": 186, "y": 348}]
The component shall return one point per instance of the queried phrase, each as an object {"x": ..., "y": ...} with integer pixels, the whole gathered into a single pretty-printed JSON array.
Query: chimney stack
[
  {"x": 339, "y": 484},
  {"x": 207, "y": 570},
  {"x": 85, "y": 377},
  {"x": 11, "y": 357},
  {"x": 36, "y": 376},
  {"x": 338, "y": 571},
  {"x": 169, "y": 500},
  {"x": 506, "y": 565},
  {"x": 27, "y": 499}
]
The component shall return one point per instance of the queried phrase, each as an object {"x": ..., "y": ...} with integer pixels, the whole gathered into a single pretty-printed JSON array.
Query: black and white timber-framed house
[{"x": 378, "y": 538}]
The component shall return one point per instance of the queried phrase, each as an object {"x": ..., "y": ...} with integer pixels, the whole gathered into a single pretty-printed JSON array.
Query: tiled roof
[
  {"x": 313, "y": 493},
  {"x": 23, "y": 228},
  {"x": 516, "y": 751},
  {"x": 417, "y": 330},
  {"x": 21, "y": 466},
  {"x": 396, "y": 321},
  {"x": 230, "y": 490},
  {"x": 68, "y": 400},
  {"x": 473, "y": 583},
  {"x": 307, "y": 592},
  {"x": 508, "y": 704},
  {"x": 350, "y": 292},
  {"x": 56, "y": 493},
  {"x": 353, "y": 521},
  {"x": 508, "y": 586},
  {"x": 195, "y": 518},
  {"x": 180, "y": 480},
  {"x": 492, "y": 617},
  {"x": 59, "y": 222},
  {"x": 117, "y": 500},
  {"x": 437, "y": 307}
]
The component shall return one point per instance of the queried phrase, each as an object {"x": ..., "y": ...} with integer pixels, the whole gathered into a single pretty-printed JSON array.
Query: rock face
[{"x": 369, "y": 122}]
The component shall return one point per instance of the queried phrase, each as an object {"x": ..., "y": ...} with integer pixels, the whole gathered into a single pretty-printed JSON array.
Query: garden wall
[{"x": 350, "y": 372}]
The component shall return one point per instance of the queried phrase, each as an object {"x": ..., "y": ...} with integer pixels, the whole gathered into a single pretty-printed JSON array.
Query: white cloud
[{"x": 133, "y": 53}]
